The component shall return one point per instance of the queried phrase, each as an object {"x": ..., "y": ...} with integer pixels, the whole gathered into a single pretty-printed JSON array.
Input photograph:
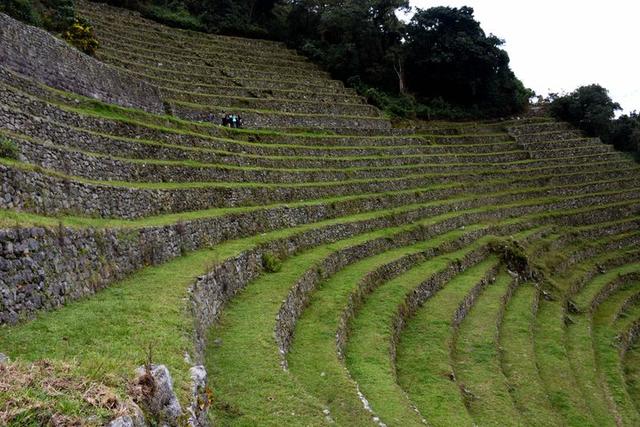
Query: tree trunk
[{"x": 399, "y": 69}]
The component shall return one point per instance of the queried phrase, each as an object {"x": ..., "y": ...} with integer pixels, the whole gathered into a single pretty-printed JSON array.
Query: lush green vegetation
[
  {"x": 8, "y": 149},
  {"x": 441, "y": 64},
  {"x": 57, "y": 16},
  {"x": 591, "y": 109}
]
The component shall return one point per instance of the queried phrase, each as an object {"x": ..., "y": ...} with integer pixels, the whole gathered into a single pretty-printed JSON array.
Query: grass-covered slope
[{"x": 449, "y": 274}]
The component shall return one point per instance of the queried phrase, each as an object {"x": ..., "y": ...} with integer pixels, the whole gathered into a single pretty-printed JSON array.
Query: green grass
[
  {"x": 243, "y": 358},
  {"x": 424, "y": 367},
  {"x": 608, "y": 358},
  {"x": 111, "y": 333},
  {"x": 518, "y": 360},
  {"x": 554, "y": 366},
  {"x": 313, "y": 359},
  {"x": 631, "y": 370},
  {"x": 476, "y": 359},
  {"x": 367, "y": 351}
]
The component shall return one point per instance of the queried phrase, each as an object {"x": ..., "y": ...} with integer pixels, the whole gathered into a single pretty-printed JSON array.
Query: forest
[{"x": 440, "y": 64}]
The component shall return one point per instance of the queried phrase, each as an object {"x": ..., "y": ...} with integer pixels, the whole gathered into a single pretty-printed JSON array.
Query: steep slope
[{"x": 323, "y": 266}]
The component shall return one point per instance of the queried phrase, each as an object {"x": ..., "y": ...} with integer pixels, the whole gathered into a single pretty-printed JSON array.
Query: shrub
[
  {"x": 271, "y": 263},
  {"x": 21, "y": 10},
  {"x": 8, "y": 149},
  {"x": 180, "y": 17},
  {"x": 80, "y": 34},
  {"x": 588, "y": 107}
]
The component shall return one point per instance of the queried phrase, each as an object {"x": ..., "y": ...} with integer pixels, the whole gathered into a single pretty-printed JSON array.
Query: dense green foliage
[
  {"x": 8, "y": 149},
  {"x": 449, "y": 56},
  {"x": 54, "y": 15},
  {"x": 439, "y": 65},
  {"x": 591, "y": 109}
]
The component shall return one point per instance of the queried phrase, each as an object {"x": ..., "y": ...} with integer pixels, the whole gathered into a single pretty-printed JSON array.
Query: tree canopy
[
  {"x": 441, "y": 63},
  {"x": 591, "y": 109}
]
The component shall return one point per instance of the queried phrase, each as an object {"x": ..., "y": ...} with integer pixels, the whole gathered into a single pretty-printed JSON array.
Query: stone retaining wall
[
  {"x": 53, "y": 62},
  {"x": 104, "y": 168},
  {"x": 611, "y": 287},
  {"x": 300, "y": 293},
  {"x": 45, "y": 268},
  {"x": 42, "y": 193},
  {"x": 280, "y": 121}
]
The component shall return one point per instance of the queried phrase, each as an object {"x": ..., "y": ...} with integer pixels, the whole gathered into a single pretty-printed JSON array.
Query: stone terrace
[{"x": 347, "y": 272}]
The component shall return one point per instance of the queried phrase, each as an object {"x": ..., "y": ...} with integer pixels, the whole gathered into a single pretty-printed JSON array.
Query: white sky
[{"x": 557, "y": 46}]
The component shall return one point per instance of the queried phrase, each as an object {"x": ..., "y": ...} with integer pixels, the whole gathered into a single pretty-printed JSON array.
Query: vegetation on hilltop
[
  {"x": 591, "y": 109},
  {"x": 441, "y": 64}
]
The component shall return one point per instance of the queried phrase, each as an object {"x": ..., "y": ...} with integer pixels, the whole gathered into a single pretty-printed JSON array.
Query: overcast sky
[{"x": 562, "y": 44}]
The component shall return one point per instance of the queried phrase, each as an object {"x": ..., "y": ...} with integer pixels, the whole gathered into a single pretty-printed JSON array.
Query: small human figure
[
  {"x": 225, "y": 120},
  {"x": 240, "y": 121},
  {"x": 234, "y": 120}
]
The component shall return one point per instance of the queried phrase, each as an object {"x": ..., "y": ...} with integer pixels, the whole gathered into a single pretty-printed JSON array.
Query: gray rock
[
  {"x": 199, "y": 399},
  {"x": 124, "y": 421},
  {"x": 5, "y": 359},
  {"x": 156, "y": 394}
]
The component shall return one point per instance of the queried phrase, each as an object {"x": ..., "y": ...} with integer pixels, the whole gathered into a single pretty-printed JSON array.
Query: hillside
[{"x": 322, "y": 266}]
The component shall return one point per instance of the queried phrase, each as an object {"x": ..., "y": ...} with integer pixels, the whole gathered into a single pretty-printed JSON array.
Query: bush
[
  {"x": 80, "y": 34},
  {"x": 589, "y": 107},
  {"x": 180, "y": 17},
  {"x": 625, "y": 133},
  {"x": 8, "y": 149},
  {"x": 271, "y": 263},
  {"x": 21, "y": 10}
]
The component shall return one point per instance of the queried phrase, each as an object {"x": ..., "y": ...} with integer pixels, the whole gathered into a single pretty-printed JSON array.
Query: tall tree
[{"x": 449, "y": 56}]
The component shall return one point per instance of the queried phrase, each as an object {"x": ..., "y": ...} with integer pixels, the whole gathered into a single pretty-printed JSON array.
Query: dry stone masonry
[{"x": 316, "y": 166}]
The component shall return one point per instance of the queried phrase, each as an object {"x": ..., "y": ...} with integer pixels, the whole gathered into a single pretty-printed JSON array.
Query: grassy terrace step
[
  {"x": 267, "y": 119},
  {"x": 563, "y": 362},
  {"x": 143, "y": 148},
  {"x": 109, "y": 359},
  {"x": 241, "y": 194},
  {"x": 118, "y": 42},
  {"x": 161, "y": 127},
  {"x": 312, "y": 358},
  {"x": 262, "y": 80},
  {"x": 166, "y": 61},
  {"x": 376, "y": 156},
  {"x": 118, "y": 18},
  {"x": 476, "y": 359},
  {"x": 285, "y": 74},
  {"x": 631, "y": 368},
  {"x": 608, "y": 356},
  {"x": 592, "y": 351},
  {"x": 585, "y": 249},
  {"x": 124, "y": 301},
  {"x": 554, "y": 367},
  {"x": 307, "y": 106},
  {"x": 147, "y": 29},
  {"x": 578, "y": 142},
  {"x": 552, "y": 136},
  {"x": 516, "y": 348},
  {"x": 368, "y": 349},
  {"x": 274, "y": 394},
  {"x": 580, "y": 347},
  {"x": 242, "y": 333},
  {"x": 186, "y": 90},
  {"x": 131, "y": 304},
  {"x": 20, "y": 87},
  {"x": 344, "y": 205},
  {"x": 423, "y": 364}
]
